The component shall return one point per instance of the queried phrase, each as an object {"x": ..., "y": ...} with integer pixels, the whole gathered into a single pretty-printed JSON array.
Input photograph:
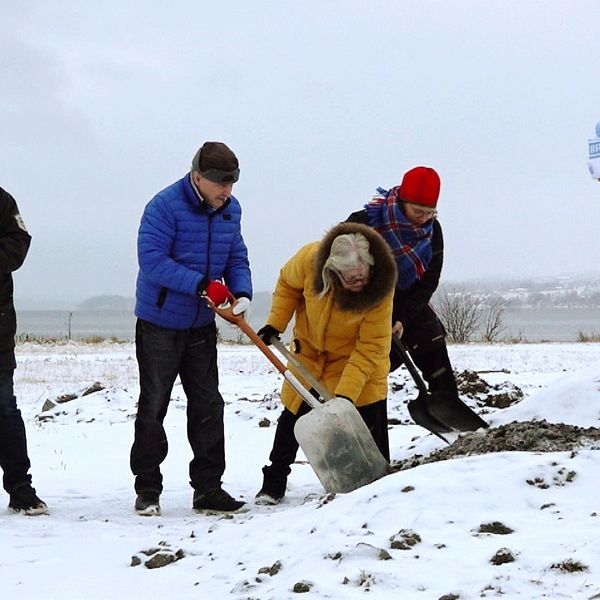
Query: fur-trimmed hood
[{"x": 383, "y": 274}]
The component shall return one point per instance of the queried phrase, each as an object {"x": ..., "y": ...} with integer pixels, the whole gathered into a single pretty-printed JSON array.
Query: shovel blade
[
  {"x": 453, "y": 412},
  {"x": 340, "y": 447},
  {"x": 419, "y": 413}
]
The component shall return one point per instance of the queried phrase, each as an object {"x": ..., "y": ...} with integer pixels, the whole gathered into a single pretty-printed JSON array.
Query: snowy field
[{"x": 343, "y": 547}]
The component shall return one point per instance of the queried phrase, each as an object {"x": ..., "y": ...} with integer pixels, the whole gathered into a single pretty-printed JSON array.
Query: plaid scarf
[{"x": 411, "y": 245}]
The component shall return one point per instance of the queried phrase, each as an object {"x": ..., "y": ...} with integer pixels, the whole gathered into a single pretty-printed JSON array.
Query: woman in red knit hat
[{"x": 406, "y": 218}]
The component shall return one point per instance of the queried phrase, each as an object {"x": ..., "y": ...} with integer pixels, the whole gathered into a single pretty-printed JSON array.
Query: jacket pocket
[{"x": 162, "y": 297}]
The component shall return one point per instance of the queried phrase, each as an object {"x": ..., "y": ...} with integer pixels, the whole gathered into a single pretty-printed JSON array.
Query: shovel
[
  {"x": 316, "y": 385},
  {"x": 439, "y": 412},
  {"x": 333, "y": 436}
]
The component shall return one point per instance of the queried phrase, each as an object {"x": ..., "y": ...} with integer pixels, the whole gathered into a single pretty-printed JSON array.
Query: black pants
[
  {"x": 425, "y": 339},
  {"x": 436, "y": 369},
  {"x": 285, "y": 446},
  {"x": 163, "y": 354},
  {"x": 13, "y": 442}
]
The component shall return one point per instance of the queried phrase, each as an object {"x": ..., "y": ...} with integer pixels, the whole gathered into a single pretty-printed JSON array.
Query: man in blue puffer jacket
[{"x": 189, "y": 240}]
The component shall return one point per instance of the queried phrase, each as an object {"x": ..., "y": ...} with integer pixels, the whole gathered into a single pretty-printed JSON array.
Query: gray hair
[{"x": 348, "y": 251}]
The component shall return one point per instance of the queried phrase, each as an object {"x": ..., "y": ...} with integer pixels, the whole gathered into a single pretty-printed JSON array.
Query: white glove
[{"x": 241, "y": 306}]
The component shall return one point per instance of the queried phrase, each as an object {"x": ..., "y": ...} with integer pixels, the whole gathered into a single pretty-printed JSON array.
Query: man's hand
[
  {"x": 218, "y": 293},
  {"x": 241, "y": 306}
]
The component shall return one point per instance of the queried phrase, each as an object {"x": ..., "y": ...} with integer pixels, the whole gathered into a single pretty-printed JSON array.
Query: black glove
[
  {"x": 345, "y": 398},
  {"x": 267, "y": 332}
]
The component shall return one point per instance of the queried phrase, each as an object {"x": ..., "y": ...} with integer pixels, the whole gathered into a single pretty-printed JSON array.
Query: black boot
[
  {"x": 273, "y": 487},
  {"x": 147, "y": 504},
  {"x": 217, "y": 500},
  {"x": 25, "y": 500}
]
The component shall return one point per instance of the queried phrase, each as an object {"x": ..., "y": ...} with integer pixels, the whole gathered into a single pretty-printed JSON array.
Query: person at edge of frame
[{"x": 14, "y": 457}]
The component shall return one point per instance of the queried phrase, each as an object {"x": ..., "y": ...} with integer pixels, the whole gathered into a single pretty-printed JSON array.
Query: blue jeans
[
  {"x": 13, "y": 442},
  {"x": 163, "y": 354}
]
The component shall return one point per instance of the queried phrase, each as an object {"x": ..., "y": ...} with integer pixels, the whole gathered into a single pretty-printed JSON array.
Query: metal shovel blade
[
  {"x": 339, "y": 446},
  {"x": 335, "y": 439},
  {"x": 453, "y": 412}
]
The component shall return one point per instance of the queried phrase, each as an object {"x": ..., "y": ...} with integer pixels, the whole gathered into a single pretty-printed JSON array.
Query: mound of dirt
[
  {"x": 525, "y": 436},
  {"x": 502, "y": 395}
]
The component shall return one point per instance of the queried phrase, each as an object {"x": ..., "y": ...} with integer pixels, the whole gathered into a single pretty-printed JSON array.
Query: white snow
[{"x": 80, "y": 458}]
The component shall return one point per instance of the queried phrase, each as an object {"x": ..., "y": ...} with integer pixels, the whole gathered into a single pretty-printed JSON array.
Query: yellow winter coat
[{"x": 343, "y": 338}]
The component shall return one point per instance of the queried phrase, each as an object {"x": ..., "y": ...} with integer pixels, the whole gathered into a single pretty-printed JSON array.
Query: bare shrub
[
  {"x": 93, "y": 339},
  {"x": 492, "y": 320},
  {"x": 468, "y": 316},
  {"x": 592, "y": 336},
  {"x": 459, "y": 311}
]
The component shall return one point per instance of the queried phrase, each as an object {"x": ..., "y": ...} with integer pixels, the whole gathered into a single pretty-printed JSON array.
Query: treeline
[
  {"x": 107, "y": 303},
  {"x": 560, "y": 292},
  {"x": 470, "y": 315}
]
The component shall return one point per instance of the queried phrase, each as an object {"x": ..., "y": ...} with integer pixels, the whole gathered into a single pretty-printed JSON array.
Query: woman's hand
[{"x": 397, "y": 329}]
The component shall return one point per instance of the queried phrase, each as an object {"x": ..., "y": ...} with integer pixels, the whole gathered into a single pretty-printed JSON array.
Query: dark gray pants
[
  {"x": 13, "y": 442},
  {"x": 163, "y": 354}
]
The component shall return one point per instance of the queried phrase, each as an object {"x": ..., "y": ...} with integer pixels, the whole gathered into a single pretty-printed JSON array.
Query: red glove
[{"x": 217, "y": 292}]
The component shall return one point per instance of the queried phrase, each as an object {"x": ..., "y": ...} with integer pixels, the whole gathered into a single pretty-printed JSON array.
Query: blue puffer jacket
[{"x": 182, "y": 243}]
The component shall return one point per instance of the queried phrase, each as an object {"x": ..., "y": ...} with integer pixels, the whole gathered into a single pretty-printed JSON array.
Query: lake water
[
  {"x": 118, "y": 324},
  {"x": 551, "y": 324},
  {"x": 533, "y": 325}
]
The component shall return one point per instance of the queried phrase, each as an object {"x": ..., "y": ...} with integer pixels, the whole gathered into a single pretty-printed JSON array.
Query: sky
[
  {"x": 341, "y": 546},
  {"x": 104, "y": 104}
]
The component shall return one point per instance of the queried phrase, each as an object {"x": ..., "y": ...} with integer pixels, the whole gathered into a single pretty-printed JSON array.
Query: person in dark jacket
[
  {"x": 14, "y": 459},
  {"x": 406, "y": 217},
  {"x": 189, "y": 240}
]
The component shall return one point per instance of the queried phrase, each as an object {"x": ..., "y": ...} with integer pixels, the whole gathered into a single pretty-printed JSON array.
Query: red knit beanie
[{"x": 421, "y": 186}]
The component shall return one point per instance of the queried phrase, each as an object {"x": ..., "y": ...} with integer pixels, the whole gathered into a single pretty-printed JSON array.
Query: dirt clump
[
  {"x": 502, "y": 395},
  {"x": 518, "y": 436}
]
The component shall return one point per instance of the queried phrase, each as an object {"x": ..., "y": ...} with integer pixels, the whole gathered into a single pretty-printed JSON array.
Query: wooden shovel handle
[
  {"x": 310, "y": 378},
  {"x": 227, "y": 314}
]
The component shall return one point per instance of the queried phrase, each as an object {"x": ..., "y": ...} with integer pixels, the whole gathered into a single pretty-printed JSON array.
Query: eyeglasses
[
  {"x": 217, "y": 175},
  {"x": 354, "y": 279},
  {"x": 420, "y": 213}
]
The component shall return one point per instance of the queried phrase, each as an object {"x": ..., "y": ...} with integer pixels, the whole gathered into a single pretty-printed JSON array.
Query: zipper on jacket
[{"x": 206, "y": 277}]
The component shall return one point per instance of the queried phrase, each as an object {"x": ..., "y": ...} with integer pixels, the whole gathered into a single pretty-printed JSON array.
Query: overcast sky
[{"x": 103, "y": 104}]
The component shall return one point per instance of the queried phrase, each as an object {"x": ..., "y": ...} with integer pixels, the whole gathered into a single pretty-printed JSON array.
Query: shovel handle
[
  {"x": 314, "y": 382},
  {"x": 410, "y": 365},
  {"x": 227, "y": 314}
]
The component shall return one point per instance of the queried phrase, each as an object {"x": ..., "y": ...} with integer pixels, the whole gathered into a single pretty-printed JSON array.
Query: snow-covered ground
[{"x": 338, "y": 548}]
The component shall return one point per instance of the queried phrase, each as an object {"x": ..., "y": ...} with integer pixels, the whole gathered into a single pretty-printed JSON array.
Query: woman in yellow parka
[{"x": 340, "y": 290}]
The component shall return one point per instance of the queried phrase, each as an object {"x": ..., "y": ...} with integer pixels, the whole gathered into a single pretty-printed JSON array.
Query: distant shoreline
[{"x": 521, "y": 324}]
